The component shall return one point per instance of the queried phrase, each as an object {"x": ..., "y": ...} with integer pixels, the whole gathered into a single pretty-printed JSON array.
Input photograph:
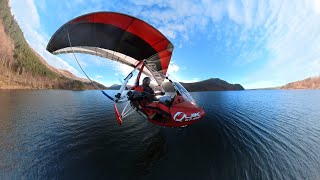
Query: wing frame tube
[{"x": 122, "y": 88}]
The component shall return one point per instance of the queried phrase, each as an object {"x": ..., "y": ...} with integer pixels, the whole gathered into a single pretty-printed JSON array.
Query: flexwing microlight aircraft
[{"x": 131, "y": 41}]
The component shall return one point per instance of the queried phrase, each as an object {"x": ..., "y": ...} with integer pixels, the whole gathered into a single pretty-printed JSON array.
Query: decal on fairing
[{"x": 180, "y": 116}]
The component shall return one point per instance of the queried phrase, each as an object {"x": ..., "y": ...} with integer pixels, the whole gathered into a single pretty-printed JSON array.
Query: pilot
[{"x": 147, "y": 90}]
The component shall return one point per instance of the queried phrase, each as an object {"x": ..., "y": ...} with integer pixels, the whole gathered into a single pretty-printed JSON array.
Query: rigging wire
[{"x": 112, "y": 99}]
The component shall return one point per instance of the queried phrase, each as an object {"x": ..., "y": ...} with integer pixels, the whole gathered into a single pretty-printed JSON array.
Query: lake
[{"x": 261, "y": 134}]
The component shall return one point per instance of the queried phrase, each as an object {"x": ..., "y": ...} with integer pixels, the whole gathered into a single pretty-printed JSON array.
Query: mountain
[
  {"x": 114, "y": 87},
  {"x": 308, "y": 83},
  {"x": 117, "y": 87},
  {"x": 22, "y": 68},
  {"x": 212, "y": 84}
]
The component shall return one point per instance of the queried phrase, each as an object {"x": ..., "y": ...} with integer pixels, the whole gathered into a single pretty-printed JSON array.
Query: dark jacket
[{"x": 150, "y": 95}]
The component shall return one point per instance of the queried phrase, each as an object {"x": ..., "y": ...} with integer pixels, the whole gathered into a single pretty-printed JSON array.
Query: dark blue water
[{"x": 54, "y": 134}]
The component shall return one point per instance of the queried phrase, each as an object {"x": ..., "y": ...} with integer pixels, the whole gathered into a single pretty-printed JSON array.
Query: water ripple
[{"x": 245, "y": 135}]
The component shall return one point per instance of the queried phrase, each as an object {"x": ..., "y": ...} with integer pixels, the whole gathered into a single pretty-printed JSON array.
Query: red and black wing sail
[{"x": 115, "y": 36}]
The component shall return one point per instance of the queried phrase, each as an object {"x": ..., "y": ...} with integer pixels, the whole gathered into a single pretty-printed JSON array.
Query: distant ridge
[
  {"x": 212, "y": 84},
  {"x": 117, "y": 87},
  {"x": 308, "y": 83}
]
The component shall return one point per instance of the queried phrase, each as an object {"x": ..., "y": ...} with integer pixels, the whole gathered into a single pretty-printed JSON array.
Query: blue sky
[{"x": 258, "y": 44}]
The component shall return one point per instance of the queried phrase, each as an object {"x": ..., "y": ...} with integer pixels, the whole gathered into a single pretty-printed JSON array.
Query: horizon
[{"x": 257, "y": 45}]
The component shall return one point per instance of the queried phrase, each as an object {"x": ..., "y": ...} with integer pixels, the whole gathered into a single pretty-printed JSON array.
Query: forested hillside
[{"x": 21, "y": 67}]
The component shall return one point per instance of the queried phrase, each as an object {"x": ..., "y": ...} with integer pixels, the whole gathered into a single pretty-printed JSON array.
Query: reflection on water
[
  {"x": 245, "y": 135},
  {"x": 155, "y": 149}
]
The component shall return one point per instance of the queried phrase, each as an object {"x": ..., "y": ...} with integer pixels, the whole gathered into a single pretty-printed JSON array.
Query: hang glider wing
[{"x": 117, "y": 37}]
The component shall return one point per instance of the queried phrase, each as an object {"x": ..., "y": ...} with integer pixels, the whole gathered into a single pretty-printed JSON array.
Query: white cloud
[
  {"x": 189, "y": 80},
  {"x": 98, "y": 77},
  {"x": 173, "y": 68},
  {"x": 292, "y": 41},
  {"x": 175, "y": 19},
  {"x": 42, "y": 6},
  {"x": 20, "y": 9},
  {"x": 283, "y": 34},
  {"x": 123, "y": 69},
  {"x": 317, "y": 6},
  {"x": 214, "y": 9},
  {"x": 234, "y": 11}
]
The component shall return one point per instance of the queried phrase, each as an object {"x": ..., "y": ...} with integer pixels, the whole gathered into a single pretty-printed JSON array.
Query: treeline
[
  {"x": 24, "y": 59},
  {"x": 20, "y": 67},
  {"x": 308, "y": 83},
  {"x": 28, "y": 81}
]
